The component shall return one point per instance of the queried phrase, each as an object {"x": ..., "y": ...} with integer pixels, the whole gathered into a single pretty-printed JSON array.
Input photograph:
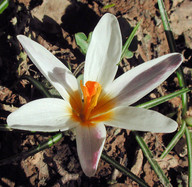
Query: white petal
[
  {"x": 139, "y": 81},
  {"x": 46, "y": 115},
  {"x": 104, "y": 51},
  {"x": 90, "y": 142},
  {"x": 52, "y": 68},
  {"x": 139, "y": 119}
]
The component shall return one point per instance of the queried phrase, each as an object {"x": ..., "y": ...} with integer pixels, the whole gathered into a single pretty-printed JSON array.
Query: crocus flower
[{"x": 100, "y": 99}]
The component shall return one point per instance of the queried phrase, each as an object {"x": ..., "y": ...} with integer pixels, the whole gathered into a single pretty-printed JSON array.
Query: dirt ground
[{"x": 53, "y": 24}]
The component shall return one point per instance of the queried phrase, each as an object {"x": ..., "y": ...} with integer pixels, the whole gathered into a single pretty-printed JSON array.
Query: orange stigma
[
  {"x": 91, "y": 92},
  {"x": 94, "y": 107}
]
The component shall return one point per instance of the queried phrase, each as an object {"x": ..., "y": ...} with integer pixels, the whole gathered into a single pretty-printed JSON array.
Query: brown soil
[{"x": 53, "y": 24}]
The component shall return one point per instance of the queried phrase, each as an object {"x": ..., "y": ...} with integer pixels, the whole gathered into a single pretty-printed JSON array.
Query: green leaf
[
  {"x": 148, "y": 154},
  {"x": 128, "y": 42},
  {"x": 89, "y": 37},
  {"x": 174, "y": 140},
  {"x": 109, "y": 6},
  {"x": 23, "y": 56},
  {"x": 172, "y": 47},
  {"x": 189, "y": 151},
  {"x": 54, "y": 93},
  {"x": 38, "y": 85},
  {"x": 147, "y": 38},
  {"x": 5, "y": 127},
  {"x": 53, "y": 140},
  {"x": 128, "y": 54},
  {"x": 123, "y": 169},
  {"x": 3, "y": 5},
  {"x": 182, "y": 84},
  {"x": 189, "y": 121},
  {"x": 82, "y": 41},
  {"x": 80, "y": 77},
  {"x": 163, "y": 99}
]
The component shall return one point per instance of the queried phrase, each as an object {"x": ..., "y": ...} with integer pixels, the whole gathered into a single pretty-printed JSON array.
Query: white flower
[{"x": 105, "y": 100}]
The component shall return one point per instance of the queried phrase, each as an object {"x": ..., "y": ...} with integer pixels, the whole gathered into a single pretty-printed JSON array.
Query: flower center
[
  {"x": 94, "y": 108},
  {"x": 91, "y": 92}
]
